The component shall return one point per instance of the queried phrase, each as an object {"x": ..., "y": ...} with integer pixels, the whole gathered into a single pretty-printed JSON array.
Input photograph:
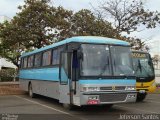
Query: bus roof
[{"x": 81, "y": 39}]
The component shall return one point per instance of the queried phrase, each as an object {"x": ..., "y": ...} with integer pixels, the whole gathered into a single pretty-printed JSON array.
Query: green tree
[
  {"x": 86, "y": 23},
  {"x": 9, "y": 49},
  {"x": 41, "y": 24},
  {"x": 36, "y": 25}
]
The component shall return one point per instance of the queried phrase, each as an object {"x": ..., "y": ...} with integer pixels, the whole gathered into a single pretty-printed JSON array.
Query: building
[{"x": 3, "y": 62}]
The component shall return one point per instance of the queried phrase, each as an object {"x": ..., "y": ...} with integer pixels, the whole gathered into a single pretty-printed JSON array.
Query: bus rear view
[{"x": 144, "y": 72}]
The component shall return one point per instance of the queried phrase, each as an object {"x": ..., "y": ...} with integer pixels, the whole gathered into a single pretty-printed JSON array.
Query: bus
[
  {"x": 144, "y": 72},
  {"x": 82, "y": 70}
]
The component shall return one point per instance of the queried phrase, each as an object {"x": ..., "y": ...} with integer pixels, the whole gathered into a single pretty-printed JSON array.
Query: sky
[{"x": 9, "y": 8}]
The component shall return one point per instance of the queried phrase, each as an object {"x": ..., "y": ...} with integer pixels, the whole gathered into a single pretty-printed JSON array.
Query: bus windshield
[
  {"x": 143, "y": 65},
  {"x": 121, "y": 59},
  {"x": 97, "y": 60}
]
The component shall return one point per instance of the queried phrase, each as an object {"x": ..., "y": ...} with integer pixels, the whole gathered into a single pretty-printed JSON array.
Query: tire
[
  {"x": 68, "y": 106},
  {"x": 141, "y": 97},
  {"x": 30, "y": 91},
  {"x": 107, "y": 106}
]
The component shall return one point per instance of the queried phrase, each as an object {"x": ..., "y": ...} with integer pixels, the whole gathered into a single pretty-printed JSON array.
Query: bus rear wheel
[
  {"x": 30, "y": 91},
  {"x": 141, "y": 97}
]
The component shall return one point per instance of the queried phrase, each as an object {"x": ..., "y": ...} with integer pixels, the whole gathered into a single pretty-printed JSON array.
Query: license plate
[{"x": 142, "y": 91}]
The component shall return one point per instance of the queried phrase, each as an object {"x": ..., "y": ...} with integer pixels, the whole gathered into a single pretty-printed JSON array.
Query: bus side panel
[{"x": 45, "y": 88}]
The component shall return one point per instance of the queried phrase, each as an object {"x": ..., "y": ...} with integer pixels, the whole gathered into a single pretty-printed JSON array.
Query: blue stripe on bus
[
  {"x": 51, "y": 74},
  {"x": 108, "y": 81},
  {"x": 81, "y": 39}
]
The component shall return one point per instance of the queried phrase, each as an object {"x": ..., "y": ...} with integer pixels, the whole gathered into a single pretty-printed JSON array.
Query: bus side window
[
  {"x": 37, "y": 61},
  {"x": 25, "y": 62},
  {"x": 30, "y": 61},
  {"x": 46, "y": 58},
  {"x": 21, "y": 63},
  {"x": 54, "y": 57},
  {"x": 60, "y": 49}
]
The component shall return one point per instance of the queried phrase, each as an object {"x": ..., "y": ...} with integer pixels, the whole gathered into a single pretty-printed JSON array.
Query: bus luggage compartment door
[{"x": 64, "y": 76}]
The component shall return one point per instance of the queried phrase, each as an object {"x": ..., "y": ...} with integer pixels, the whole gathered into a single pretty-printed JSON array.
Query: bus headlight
[
  {"x": 130, "y": 88},
  {"x": 90, "y": 89}
]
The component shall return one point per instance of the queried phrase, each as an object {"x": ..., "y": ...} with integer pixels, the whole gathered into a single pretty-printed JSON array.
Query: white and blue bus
[{"x": 83, "y": 70}]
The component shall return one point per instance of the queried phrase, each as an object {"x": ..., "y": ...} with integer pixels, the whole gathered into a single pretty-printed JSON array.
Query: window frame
[
  {"x": 63, "y": 47},
  {"x": 40, "y": 65},
  {"x": 42, "y": 62},
  {"x": 31, "y": 61}
]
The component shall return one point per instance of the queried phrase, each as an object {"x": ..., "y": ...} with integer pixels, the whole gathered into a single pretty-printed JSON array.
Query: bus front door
[{"x": 65, "y": 79}]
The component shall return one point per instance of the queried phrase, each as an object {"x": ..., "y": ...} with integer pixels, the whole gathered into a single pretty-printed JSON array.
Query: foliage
[
  {"x": 85, "y": 23},
  {"x": 136, "y": 43},
  {"x": 39, "y": 23},
  {"x": 35, "y": 26},
  {"x": 129, "y": 15},
  {"x": 8, "y": 75},
  {"x": 9, "y": 48}
]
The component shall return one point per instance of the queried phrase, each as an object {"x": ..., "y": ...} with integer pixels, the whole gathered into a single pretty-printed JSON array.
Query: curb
[{"x": 10, "y": 88}]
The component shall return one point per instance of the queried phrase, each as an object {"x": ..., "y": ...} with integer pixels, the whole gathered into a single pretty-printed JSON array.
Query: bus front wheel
[
  {"x": 141, "y": 97},
  {"x": 107, "y": 106},
  {"x": 30, "y": 90}
]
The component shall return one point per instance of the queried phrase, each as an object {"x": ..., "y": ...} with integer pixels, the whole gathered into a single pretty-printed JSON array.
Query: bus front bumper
[
  {"x": 148, "y": 87},
  {"x": 95, "y": 98}
]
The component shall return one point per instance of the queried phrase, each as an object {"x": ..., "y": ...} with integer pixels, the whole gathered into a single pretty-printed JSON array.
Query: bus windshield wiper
[{"x": 104, "y": 68}]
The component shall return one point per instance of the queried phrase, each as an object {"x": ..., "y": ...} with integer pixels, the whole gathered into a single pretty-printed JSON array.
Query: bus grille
[
  {"x": 105, "y": 88},
  {"x": 116, "y": 88},
  {"x": 120, "y": 87},
  {"x": 112, "y": 97}
]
